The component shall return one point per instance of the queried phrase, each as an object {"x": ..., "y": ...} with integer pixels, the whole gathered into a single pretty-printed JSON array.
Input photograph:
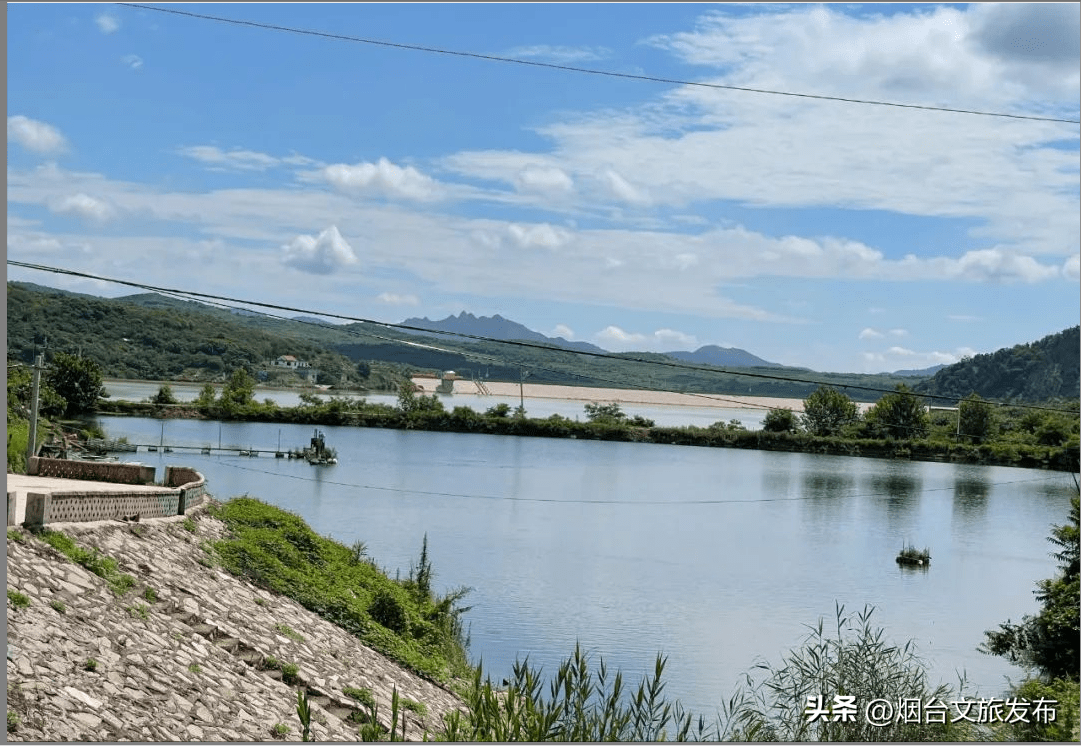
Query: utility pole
[
  {"x": 31, "y": 443},
  {"x": 521, "y": 390}
]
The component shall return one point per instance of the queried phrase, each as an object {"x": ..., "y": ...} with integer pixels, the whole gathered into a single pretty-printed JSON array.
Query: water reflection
[
  {"x": 827, "y": 494},
  {"x": 970, "y": 491},
  {"x": 898, "y": 488}
]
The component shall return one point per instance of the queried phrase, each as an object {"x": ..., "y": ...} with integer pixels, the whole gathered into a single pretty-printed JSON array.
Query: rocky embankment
[{"x": 187, "y": 660}]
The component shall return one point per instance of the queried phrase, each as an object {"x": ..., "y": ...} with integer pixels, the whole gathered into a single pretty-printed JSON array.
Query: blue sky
[{"x": 386, "y": 183}]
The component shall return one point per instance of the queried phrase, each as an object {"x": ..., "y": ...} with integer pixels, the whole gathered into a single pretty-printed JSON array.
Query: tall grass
[
  {"x": 583, "y": 706},
  {"x": 18, "y": 436}
]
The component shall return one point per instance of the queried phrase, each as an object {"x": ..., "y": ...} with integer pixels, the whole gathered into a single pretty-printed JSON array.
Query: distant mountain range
[
  {"x": 497, "y": 327},
  {"x": 722, "y": 357}
]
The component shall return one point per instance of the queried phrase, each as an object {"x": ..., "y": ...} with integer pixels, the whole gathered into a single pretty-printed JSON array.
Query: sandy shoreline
[{"x": 622, "y": 396}]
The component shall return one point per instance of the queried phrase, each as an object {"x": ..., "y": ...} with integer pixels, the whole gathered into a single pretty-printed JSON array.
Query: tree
[
  {"x": 976, "y": 417},
  {"x": 78, "y": 380},
  {"x": 21, "y": 390},
  {"x": 609, "y": 414},
  {"x": 364, "y": 369},
  {"x": 499, "y": 410},
  {"x": 238, "y": 392},
  {"x": 409, "y": 402},
  {"x": 900, "y": 415},
  {"x": 827, "y": 410},
  {"x": 205, "y": 400},
  {"x": 780, "y": 421},
  {"x": 164, "y": 395},
  {"x": 1049, "y": 640}
]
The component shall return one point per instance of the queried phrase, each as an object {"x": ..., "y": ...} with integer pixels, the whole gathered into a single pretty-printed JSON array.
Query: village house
[
  {"x": 302, "y": 368},
  {"x": 290, "y": 361}
]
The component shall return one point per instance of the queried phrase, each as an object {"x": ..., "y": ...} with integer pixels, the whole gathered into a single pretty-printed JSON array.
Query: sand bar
[{"x": 622, "y": 396}]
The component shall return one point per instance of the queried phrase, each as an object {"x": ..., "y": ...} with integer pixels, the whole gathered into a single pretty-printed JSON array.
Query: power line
[
  {"x": 585, "y": 70},
  {"x": 510, "y": 343}
]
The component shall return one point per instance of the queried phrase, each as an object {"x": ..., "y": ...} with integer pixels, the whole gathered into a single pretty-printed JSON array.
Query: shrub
[
  {"x": 18, "y": 600},
  {"x": 780, "y": 421},
  {"x": 280, "y": 730},
  {"x": 59, "y": 606},
  {"x": 857, "y": 662},
  {"x": 387, "y": 609},
  {"x": 364, "y": 696},
  {"x": 90, "y": 665}
]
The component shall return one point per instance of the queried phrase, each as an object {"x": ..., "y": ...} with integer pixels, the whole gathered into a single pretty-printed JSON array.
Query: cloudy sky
[{"x": 386, "y": 183}]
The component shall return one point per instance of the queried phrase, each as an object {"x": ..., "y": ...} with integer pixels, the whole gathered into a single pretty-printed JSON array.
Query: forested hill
[
  {"x": 170, "y": 341},
  {"x": 1025, "y": 373}
]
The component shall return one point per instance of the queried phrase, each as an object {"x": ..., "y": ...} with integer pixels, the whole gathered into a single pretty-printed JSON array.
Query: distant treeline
[{"x": 418, "y": 412}]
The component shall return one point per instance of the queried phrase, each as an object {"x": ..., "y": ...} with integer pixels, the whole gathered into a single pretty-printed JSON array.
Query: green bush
[
  {"x": 17, "y": 599},
  {"x": 780, "y": 421},
  {"x": 387, "y": 609},
  {"x": 1066, "y": 696}
]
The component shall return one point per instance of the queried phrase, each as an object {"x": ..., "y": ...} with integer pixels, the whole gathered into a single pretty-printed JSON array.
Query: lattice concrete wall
[
  {"x": 179, "y": 476},
  {"x": 95, "y": 471},
  {"x": 60, "y": 507},
  {"x": 192, "y": 485}
]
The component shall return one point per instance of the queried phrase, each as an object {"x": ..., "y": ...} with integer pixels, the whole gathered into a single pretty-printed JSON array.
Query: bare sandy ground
[{"x": 622, "y": 396}]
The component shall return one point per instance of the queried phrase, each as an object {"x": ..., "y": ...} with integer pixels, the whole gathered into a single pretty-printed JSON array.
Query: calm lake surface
[{"x": 716, "y": 557}]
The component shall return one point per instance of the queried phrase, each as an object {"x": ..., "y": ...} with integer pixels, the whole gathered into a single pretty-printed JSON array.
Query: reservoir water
[{"x": 716, "y": 557}]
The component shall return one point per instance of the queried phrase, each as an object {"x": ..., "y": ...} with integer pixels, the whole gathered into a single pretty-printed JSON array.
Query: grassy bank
[{"x": 403, "y": 619}]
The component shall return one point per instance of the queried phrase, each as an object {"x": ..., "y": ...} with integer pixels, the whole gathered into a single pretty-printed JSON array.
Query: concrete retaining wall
[
  {"x": 11, "y": 508},
  {"x": 95, "y": 471},
  {"x": 65, "y": 507},
  {"x": 192, "y": 486}
]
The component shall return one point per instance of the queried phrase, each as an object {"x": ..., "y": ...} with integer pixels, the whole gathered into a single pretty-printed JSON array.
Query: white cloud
[
  {"x": 562, "y": 330},
  {"x": 1071, "y": 268},
  {"x": 899, "y": 332},
  {"x": 84, "y": 206},
  {"x": 870, "y": 333},
  {"x": 133, "y": 61},
  {"x": 384, "y": 178},
  {"x": 541, "y": 236},
  {"x": 671, "y": 337},
  {"x": 995, "y": 265},
  {"x": 552, "y": 181},
  {"x": 901, "y": 358},
  {"x": 621, "y": 189},
  {"x": 394, "y": 299},
  {"x": 321, "y": 254},
  {"x": 237, "y": 158},
  {"x": 613, "y": 336},
  {"x": 108, "y": 23},
  {"x": 616, "y": 339},
  {"x": 34, "y": 135},
  {"x": 560, "y": 55}
]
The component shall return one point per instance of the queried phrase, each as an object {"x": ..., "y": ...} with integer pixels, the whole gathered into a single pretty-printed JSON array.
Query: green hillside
[
  {"x": 1025, "y": 373},
  {"x": 164, "y": 339}
]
